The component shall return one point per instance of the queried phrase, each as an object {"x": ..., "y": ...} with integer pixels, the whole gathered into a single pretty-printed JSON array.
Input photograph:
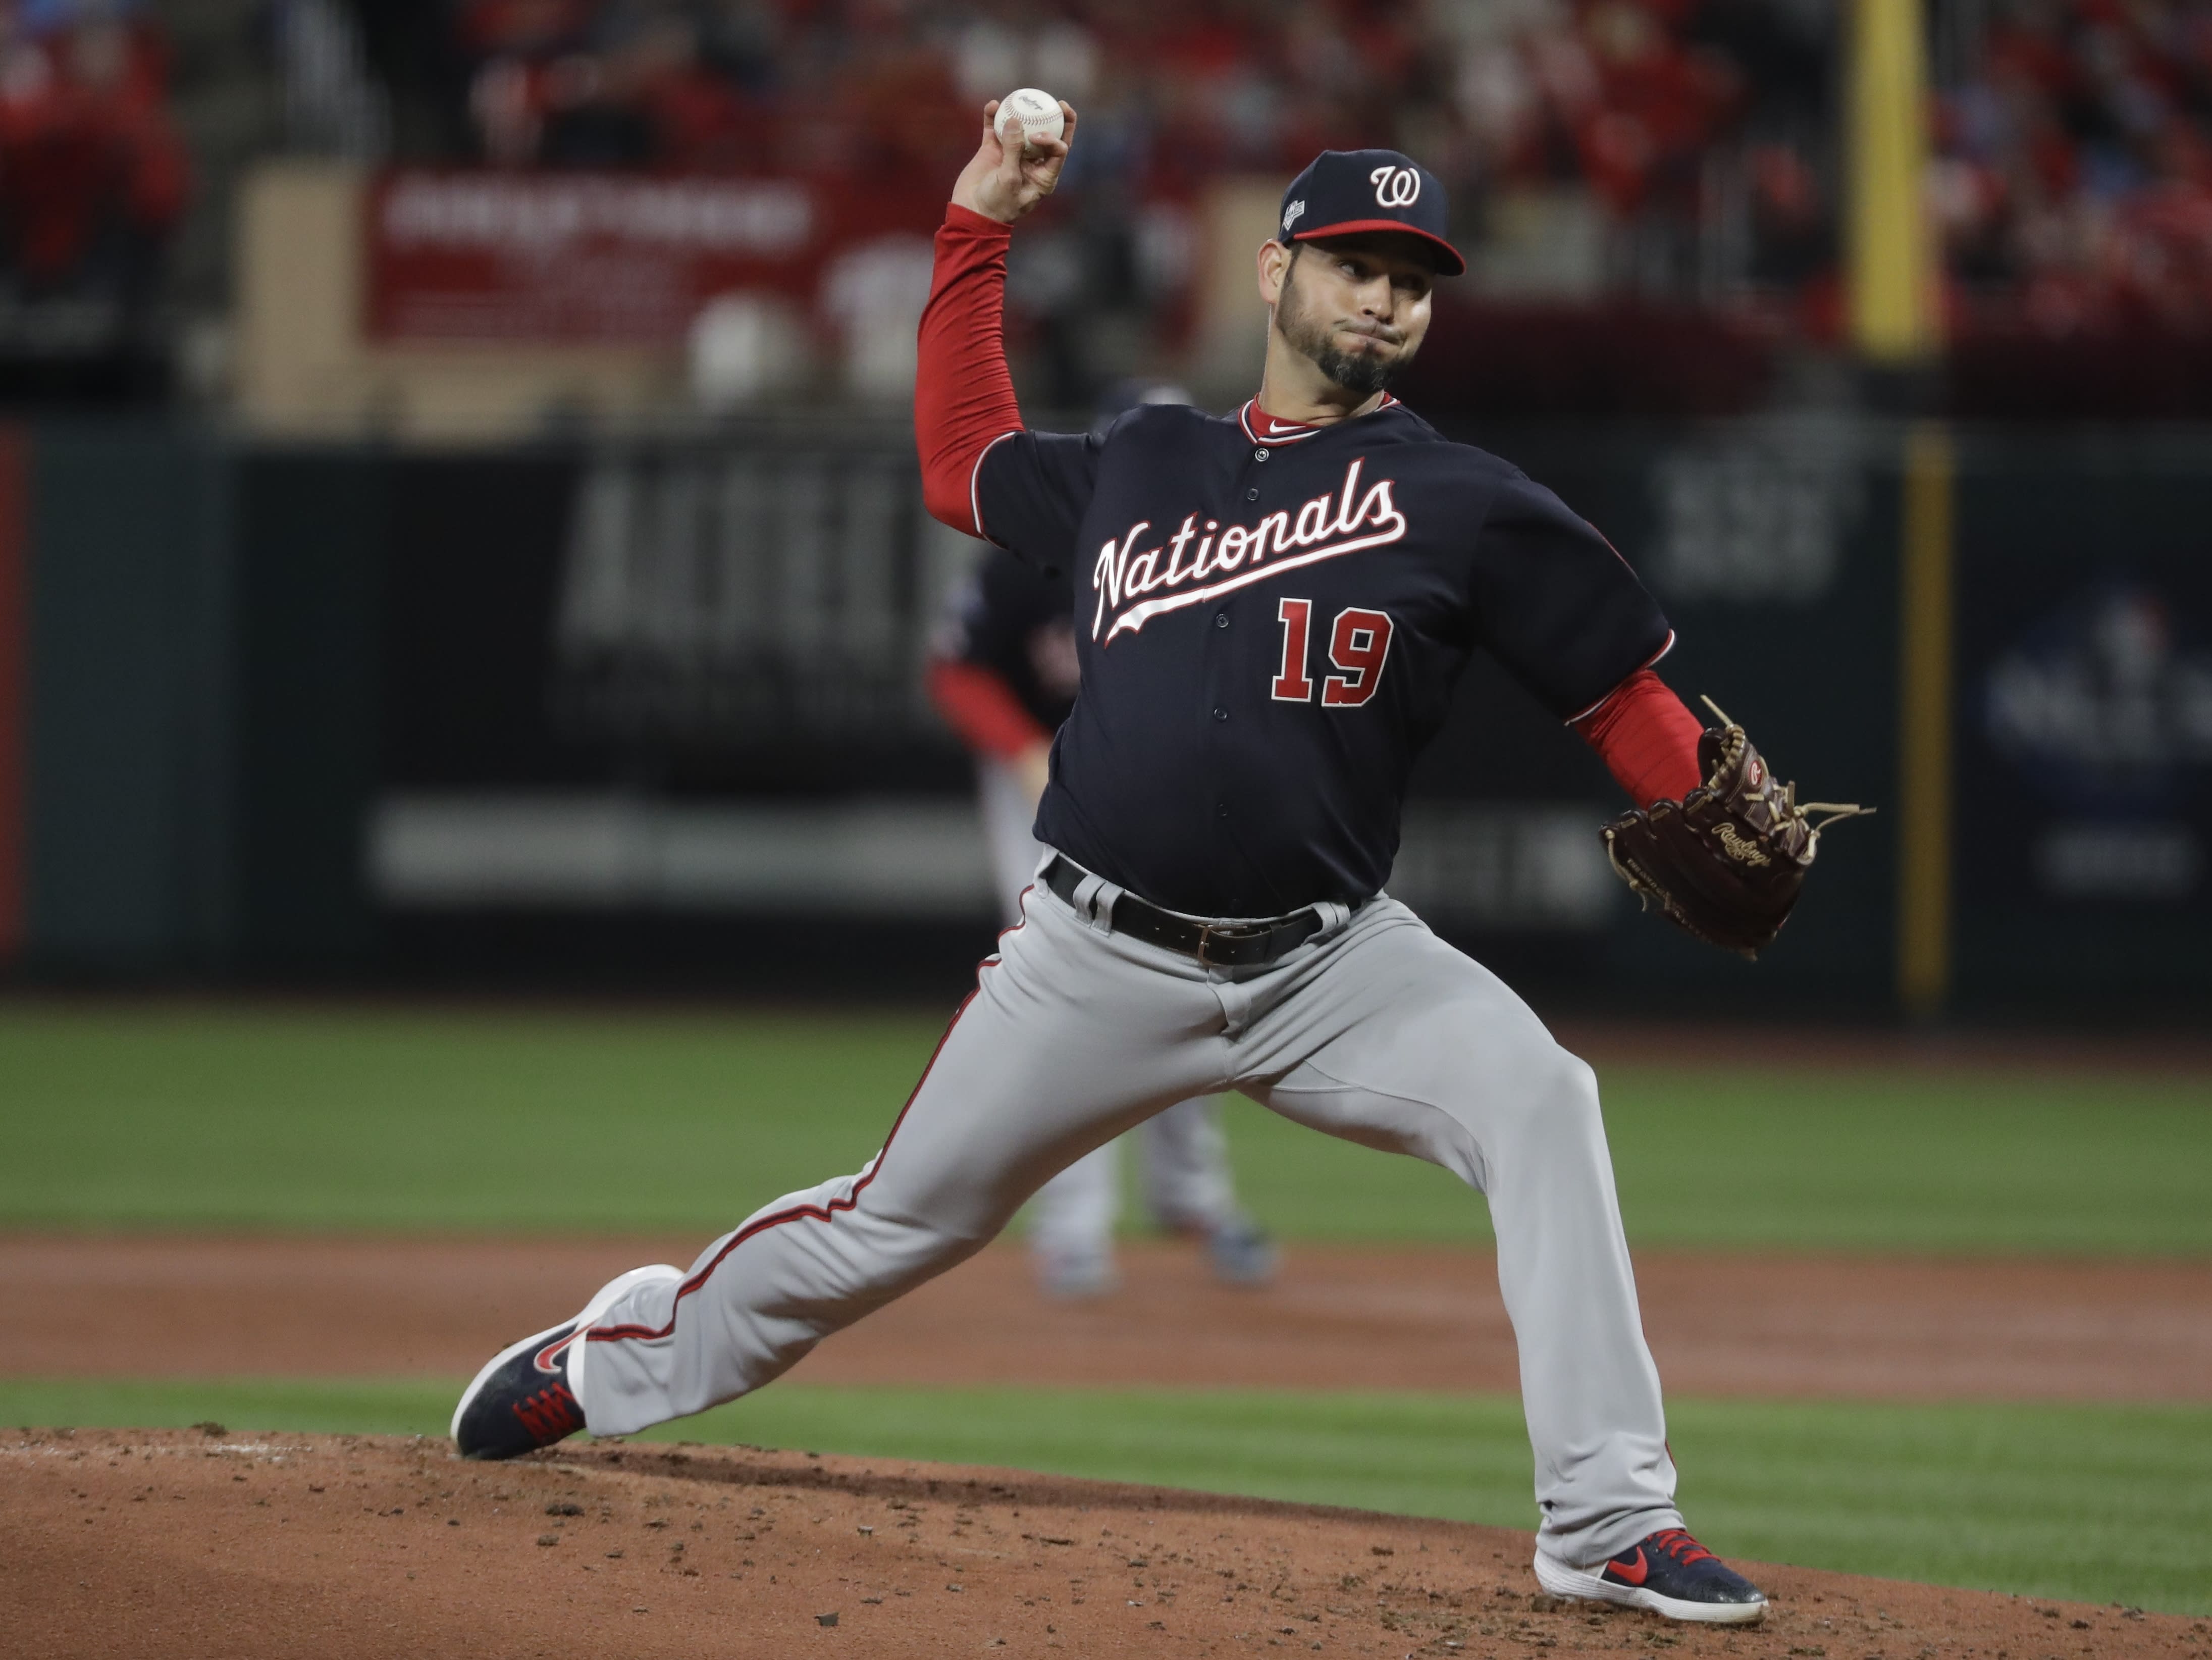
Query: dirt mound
[{"x": 190, "y": 1544}]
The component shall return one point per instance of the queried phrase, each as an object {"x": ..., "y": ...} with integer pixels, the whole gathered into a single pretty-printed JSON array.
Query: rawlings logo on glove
[{"x": 1725, "y": 862}]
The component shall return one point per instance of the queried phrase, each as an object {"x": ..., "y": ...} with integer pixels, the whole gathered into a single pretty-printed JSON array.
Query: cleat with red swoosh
[
  {"x": 1668, "y": 1573},
  {"x": 521, "y": 1400}
]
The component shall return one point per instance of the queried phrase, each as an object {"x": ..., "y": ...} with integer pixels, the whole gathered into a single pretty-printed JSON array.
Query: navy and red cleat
[
  {"x": 1667, "y": 1572},
  {"x": 522, "y": 1400}
]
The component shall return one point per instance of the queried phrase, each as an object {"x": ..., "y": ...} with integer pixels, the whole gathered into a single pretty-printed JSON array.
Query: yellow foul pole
[
  {"x": 1889, "y": 248},
  {"x": 1896, "y": 328}
]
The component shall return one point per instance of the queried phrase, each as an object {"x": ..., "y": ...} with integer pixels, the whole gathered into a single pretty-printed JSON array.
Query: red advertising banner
[{"x": 602, "y": 258}]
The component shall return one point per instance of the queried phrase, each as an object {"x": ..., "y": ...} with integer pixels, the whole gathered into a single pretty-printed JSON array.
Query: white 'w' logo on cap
[{"x": 1395, "y": 187}]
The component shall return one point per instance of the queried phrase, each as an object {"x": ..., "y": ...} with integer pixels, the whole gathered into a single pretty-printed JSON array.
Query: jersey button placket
[
  {"x": 1220, "y": 659},
  {"x": 1221, "y": 621},
  {"x": 1252, "y": 491}
]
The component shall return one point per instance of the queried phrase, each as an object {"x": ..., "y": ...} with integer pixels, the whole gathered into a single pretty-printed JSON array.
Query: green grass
[
  {"x": 2102, "y": 1504},
  {"x": 197, "y": 1117},
  {"x": 191, "y": 1116}
]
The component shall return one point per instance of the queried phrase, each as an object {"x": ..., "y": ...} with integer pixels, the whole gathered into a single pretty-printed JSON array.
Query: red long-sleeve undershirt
[
  {"x": 963, "y": 398},
  {"x": 963, "y": 403},
  {"x": 1648, "y": 738}
]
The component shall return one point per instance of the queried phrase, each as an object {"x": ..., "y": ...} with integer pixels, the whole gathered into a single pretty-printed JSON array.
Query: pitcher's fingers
[{"x": 1056, "y": 149}]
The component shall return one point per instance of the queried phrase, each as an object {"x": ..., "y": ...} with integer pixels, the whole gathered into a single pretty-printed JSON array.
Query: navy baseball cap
[{"x": 1342, "y": 192}]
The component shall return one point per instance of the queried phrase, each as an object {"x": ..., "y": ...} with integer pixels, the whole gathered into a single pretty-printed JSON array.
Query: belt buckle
[{"x": 1207, "y": 933}]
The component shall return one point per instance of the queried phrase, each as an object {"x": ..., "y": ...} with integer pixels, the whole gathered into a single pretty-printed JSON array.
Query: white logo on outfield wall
[
  {"x": 2106, "y": 709},
  {"x": 2157, "y": 861},
  {"x": 1520, "y": 864},
  {"x": 1750, "y": 523},
  {"x": 717, "y": 596},
  {"x": 1395, "y": 187},
  {"x": 2103, "y": 702}
]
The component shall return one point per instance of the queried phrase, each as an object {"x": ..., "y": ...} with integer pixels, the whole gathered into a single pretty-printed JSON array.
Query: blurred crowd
[
  {"x": 2073, "y": 178},
  {"x": 1669, "y": 146},
  {"x": 1625, "y": 98},
  {"x": 1680, "y": 152},
  {"x": 94, "y": 175}
]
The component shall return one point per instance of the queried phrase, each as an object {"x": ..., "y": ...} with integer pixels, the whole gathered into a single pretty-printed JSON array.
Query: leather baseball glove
[{"x": 1725, "y": 862}]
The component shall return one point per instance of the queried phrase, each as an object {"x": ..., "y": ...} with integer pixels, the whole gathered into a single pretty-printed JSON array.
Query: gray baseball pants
[
  {"x": 1182, "y": 1154},
  {"x": 1374, "y": 1031}
]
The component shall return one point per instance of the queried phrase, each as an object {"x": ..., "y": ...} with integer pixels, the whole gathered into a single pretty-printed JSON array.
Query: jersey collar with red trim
[{"x": 1262, "y": 427}]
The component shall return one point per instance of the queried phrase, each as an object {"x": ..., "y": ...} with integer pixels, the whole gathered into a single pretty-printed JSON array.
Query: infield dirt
[
  {"x": 191, "y": 1543},
  {"x": 1337, "y": 1318}
]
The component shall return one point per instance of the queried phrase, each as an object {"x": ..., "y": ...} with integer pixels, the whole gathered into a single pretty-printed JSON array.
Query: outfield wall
[{"x": 647, "y": 713}]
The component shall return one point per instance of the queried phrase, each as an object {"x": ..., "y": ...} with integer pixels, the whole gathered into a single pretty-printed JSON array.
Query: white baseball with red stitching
[{"x": 1030, "y": 115}]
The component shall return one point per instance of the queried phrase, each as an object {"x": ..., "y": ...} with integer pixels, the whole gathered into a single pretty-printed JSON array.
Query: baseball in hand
[{"x": 1030, "y": 115}]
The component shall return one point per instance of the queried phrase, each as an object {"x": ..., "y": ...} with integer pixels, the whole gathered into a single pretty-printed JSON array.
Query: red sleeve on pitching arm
[
  {"x": 963, "y": 398},
  {"x": 983, "y": 710},
  {"x": 1647, "y": 737}
]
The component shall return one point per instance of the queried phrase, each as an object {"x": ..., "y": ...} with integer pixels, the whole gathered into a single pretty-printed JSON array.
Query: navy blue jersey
[
  {"x": 1016, "y": 620},
  {"x": 1270, "y": 622}
]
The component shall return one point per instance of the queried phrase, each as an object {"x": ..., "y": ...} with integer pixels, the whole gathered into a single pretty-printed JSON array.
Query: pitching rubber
[
  {"x": 1560, "y": 1580},
  {"x": 591, "y": 1310}
]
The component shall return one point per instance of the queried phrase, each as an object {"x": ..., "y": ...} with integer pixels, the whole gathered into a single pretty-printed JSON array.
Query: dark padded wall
[
  {"x": 311, "y": 538},
  {"x": 235, "y": 650},
  {"x": 2084, "y": 721},
  {"x": 130, "y": 733}
]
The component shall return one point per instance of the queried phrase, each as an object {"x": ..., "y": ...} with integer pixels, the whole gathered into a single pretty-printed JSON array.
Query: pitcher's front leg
[{"x": 1425, "y": 1051}]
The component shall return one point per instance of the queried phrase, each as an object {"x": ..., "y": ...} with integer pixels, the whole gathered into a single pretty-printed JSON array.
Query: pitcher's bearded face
[{"x": 1357, "y": 307}]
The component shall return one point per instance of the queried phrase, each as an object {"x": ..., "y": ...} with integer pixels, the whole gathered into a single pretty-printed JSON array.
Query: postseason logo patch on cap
[{"x": 1343, "y": 192}]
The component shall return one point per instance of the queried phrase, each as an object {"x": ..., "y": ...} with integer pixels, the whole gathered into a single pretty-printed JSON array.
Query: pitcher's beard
[
  {"x": 1361, "y": 372},
  {"x": 1367, "y": 373}
]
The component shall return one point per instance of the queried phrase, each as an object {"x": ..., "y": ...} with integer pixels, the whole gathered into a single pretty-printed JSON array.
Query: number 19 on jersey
[{"x": 1358, "y": 643}]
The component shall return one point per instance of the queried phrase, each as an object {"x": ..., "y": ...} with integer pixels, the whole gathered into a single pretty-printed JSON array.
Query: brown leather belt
[{"x": 1237, "y": 945}]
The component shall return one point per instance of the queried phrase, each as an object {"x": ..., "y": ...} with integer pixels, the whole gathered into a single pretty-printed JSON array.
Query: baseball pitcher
[{"x": 1271, "y": 609}]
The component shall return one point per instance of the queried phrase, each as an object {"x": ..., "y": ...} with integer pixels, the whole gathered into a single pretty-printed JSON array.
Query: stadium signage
[
  {"x": 505, "y": 213},
  {"x": 476, "y": 256}
]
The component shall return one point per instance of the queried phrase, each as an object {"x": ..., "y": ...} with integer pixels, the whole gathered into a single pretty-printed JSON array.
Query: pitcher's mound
[{"x": 220, "y": 1542}]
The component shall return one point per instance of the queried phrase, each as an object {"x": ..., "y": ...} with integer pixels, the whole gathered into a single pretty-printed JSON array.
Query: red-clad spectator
[
  {"x": 569, "y": 84},
  {"x": 912, "y": 121},
  {"x": 92, "y": 176},
  {"x": 523, "y": 28},
  {"x": 1661, "y": 104}
]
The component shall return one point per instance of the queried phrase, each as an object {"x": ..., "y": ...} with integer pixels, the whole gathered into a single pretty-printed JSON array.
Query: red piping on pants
[{"x": 802, "y": 1213}]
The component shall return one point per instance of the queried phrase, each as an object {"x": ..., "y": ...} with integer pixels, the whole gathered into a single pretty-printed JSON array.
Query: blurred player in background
[{"x": 1003, "y": 674}]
